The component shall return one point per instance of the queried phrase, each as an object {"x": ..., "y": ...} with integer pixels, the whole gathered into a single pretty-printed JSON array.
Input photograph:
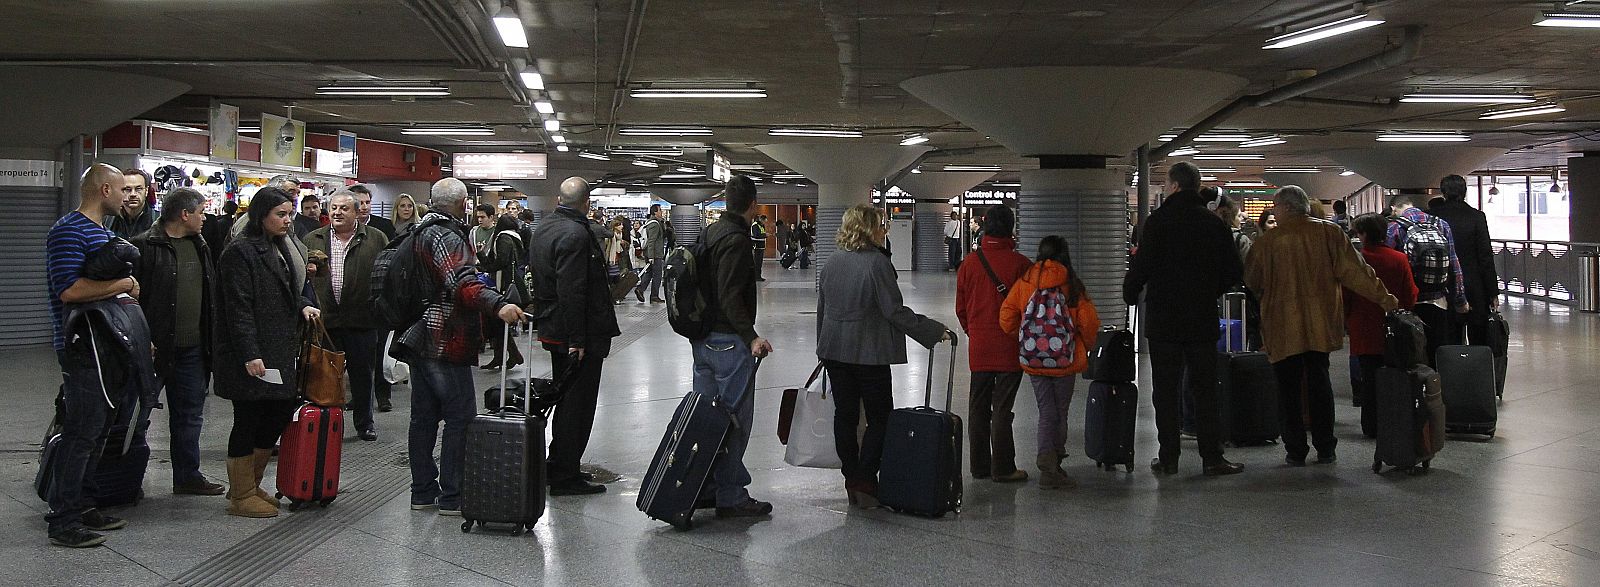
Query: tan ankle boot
[
  {"x": 242, "y": 500},
  {"x": 1051, "y": 475},
  {"x": 258, "y": 472}
]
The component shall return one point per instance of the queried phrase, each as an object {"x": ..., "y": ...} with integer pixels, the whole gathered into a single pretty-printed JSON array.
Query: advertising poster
[
  {"x": 224, "y": 129},
  {"x": 347, "y": 154},
  {"x": 283, "y": 141}
]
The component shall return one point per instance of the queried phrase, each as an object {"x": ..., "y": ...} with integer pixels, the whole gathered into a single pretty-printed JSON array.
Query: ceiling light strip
[
  {"x": 383, "y": 91},
  {"x": 1456, "y": 98},
  {"x": 1338, "y": 27},
  {"x": 815, "y": 132},
  {"x": 1523, "y": 111}
]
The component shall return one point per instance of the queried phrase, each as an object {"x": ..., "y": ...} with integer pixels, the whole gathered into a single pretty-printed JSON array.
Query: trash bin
[{"x": 1589, "y": 281}]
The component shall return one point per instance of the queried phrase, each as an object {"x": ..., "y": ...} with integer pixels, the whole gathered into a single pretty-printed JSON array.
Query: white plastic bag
[
  {"x": 811, "y": 433},
  {"x": 394, "y": 370}
]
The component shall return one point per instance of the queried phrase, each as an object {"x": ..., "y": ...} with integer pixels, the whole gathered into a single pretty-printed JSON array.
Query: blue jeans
[
  {"x": 439, "y": 392},
  {"x": 725, "y": 369},
  {"x": 186, "y": 405},
  {"x": 86, "y": 417}
]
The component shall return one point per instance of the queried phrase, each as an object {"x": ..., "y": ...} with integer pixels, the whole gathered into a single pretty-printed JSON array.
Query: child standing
[
  {"x": 1363, "y": 319},
  {"x": 1055, "y": 322}
]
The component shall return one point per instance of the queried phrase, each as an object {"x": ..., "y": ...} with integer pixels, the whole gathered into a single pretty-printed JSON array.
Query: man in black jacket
[
  {"x": 1476, "y": 253},
  {"x": 576, "y": 321},
  {"x": 725, "y": 360},
  {"x": 309, "y": 218},
  {"x": 134, "y": 218},
  {"x": 344, "y": 295},
  {"x": 178, "y": 295},
  {"x": 1186, "y": 261},
  {"x": 364, "y": 196}
]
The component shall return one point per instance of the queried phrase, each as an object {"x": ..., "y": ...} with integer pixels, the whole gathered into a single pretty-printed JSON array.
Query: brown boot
[
  {"x": 258, "y": 471},
  {"x": 1051, "y": 475},
  {"x": 242, "y": 500}
]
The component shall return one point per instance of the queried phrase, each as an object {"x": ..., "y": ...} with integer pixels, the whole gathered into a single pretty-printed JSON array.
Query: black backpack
[
  {"x": 400, "y": 286},
  {"x": 689, "y": 297}
]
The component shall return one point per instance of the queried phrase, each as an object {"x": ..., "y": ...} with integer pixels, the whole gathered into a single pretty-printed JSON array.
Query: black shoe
[
  {"x": 657, "y": 301},
  {"x": 200, "y": 486},
  {"x": 1160, "y": 467},
  {"x": 94, "y": 520},
  {"x": 576, "y": 487},
  {"x": 491, "y": 365},
  {"x": 384, "y": 405},
  {"x": 705, "y": 502},
  {"x": 1222, "y": 467},
  {"x": 369, "y": 434},
  {"x": 749, "y": 509},
  {"x": 77, "y": 538},
  {"x": 1327, "y": 458},
  {"x": 761, "y": 279},
  {"x": 1295, "y": 461}
]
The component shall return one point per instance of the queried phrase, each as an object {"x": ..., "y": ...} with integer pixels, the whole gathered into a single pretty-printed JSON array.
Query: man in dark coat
[
  {"x": 576, "y": 321},
  {"x": 1476, "y": 253},
  {"x": 1186, "y": 260},
  {"x": 179, "y": 297},
  {"x": 343, "y": 293}
]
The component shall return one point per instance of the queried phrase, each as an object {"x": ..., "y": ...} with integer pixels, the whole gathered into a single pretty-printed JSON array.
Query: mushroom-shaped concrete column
[
  {"x": 1073, "y": 119},
  {"x": 542, "y": 195},
  {"x": 686, "y": 219},
  {"x": 844, "y": 175},
  {"x": 1412, "y": 167},
  {"x": 1320, "y": 186},
  {"x": 933, "y": 191}
]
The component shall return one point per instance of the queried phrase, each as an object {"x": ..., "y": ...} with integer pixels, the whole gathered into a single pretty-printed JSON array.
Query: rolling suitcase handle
[
  {"x": 950, "y": 381},
  {"x": 1244, "y": 320}
]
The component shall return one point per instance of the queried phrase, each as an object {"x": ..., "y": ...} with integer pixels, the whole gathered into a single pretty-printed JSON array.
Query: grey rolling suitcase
[
  {"x": 921, "y": 470},
  {"x": 1467, "y": 375},
  {"x": 1410, "y": 415},
  {"x": 503, "y": 476}
]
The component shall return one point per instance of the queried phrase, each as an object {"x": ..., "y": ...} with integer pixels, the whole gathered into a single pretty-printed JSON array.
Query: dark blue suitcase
[
  {"x": 1108, "y": 423},
  {"x": 921, "y": 470},
  {"x": 1112, "y": 358},
  {"x": 1247, "y": 387},
  {"x": 683, "y": 460}
]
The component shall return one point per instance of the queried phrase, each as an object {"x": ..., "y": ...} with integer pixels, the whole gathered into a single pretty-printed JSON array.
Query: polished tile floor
[{"x": 1523, "y": 509}]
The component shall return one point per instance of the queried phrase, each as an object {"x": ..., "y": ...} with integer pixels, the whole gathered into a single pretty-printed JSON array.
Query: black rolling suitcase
[
  {"x": 1410, "y": 414},
  {"x": 678, "y": 472},
  {"x": 503, "y": 476},
  {"x": 1499, "y": 343},
  {"x": 1112, "y": 358},
  {"x": 921, "y": 470},
  {"x": 1247, "y": 387},
  {"x": 1467, "y": 375},
  {"x": 119, "y": 476},
  {"x": 1108, "y": 423}
]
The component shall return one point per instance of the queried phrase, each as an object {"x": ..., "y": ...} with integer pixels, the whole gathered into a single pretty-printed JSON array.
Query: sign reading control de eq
[{"x": 498, "y": 165}]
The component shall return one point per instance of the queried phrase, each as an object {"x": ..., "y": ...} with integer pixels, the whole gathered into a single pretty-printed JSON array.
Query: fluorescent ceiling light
[
  {"x": 1569, "y": 19},
  {"x": 1212, "y": 138},
  {"x": 959, "y": 167},
  {"x": 647, "y": 150},
  {"x": 1523, "y": 111},
  {"x": 917, "y": 170},
  {"x": 682, "y": 176},
  {"x": 815, "y": 132},
  {"x": 1293, "y": 170},
  {"x": 1263, "y": 141},
  {"x": 249, "y": 129},
  {"x": 552, "y": 125},
  {"x": 1423, "y": 137},
  {"x": 914, "y": 140},
  {"x": 1323, "y": 31},
  {"x": 1218, "y": 170},
  {"x": 512, "y": 33},
  {"x": 532, "y": 80},
  {"x": 1346, "y": 173},
  {"x": 478, "y": 131},
  {"x": 1208, "y": 178},
  {"x": 563, "y": 148},
  {"x": 1184, "y": 152},
  {"x": 1451, "y": 98},
  {"x": 1230, "y": 157},
  {"x": 495, "y": 188},
  {"x": 359, "y": 90},
  {"x": 645, "y": 163},
  {"x": 1245, "y": 184},
  {"x": 1006, "y": 184},
  {"x": 558, "y": 138},
  {"x": 746, "y": 167},
  {"x": 687, "y": 169},
  {"x": 595, "y": 156},
  {"x": 544, "y": 107},
  {"x": 782, "y": 182},
  {"x": 789, "y": 175},
  {"x": 697, "y": 92},
  {"x": 665, "y": 131}
]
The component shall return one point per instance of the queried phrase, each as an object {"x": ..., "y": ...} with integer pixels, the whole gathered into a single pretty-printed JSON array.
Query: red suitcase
[{"x": 308, "y": 460}]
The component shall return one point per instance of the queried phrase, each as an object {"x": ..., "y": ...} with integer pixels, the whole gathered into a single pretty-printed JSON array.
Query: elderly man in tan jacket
[{"x": 1297, "y": 269}]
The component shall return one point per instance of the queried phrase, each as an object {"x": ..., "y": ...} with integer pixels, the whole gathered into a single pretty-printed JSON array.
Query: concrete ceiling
[{"x": 824, "y": 63}]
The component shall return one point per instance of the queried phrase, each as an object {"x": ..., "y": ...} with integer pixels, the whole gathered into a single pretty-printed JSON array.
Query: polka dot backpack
[{"x": 1046, "y": 339}]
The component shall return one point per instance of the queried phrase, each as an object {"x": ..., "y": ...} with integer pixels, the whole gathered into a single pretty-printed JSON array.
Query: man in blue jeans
[
  {"x": 84, "y": 405},
  {"x": 179, "y": 299},
  {"x": 725, "y": 360},
  {"x": 443, "y": 347}
]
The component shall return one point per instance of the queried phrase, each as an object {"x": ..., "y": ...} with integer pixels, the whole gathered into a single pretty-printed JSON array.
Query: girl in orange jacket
[{"x": 1043, "y": 349}]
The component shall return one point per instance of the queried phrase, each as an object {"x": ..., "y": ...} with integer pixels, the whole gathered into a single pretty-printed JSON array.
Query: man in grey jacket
[{"x": 655, "y": 252}]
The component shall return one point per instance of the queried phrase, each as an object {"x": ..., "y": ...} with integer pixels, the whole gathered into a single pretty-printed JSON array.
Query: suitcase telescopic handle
[
  {"x": 950, "y": 380},
  {"x": 1244, "y": 317}
]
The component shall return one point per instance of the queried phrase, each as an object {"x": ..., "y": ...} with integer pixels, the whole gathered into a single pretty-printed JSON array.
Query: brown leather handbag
[{"x": 321, "y": 373}]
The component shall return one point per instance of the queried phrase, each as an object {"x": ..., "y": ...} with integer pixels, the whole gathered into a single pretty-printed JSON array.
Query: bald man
[
  {"x": 576, "y": 322},
  {"x": 85, "y": 418}
]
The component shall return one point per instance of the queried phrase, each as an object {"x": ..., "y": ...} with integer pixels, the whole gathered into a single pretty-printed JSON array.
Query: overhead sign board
[
  {"x": 718, "y": 167},
  {"x": 27, "y": 173},
  {"x": 348, "y": 163},
  {"x": 498, "y": 165}
]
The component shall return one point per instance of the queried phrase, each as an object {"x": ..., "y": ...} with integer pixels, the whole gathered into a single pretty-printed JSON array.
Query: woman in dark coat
[
  {"x": 262, "y": 274},
  {"x": 500, "y": 260}
]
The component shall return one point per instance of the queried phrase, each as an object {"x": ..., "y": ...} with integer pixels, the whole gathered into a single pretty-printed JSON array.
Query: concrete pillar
[
  {"x": 1413, "y": 166},
  {"x": 1089, "y": 208},
  {"x": 931, "y": 254},
  {"x": 686, "y": 219},
  {"x": 687, "y": 223}
]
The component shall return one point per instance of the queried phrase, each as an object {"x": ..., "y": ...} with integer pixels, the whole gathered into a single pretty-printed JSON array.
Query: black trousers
[
  {"x": 760, "y": 256},
  {"x": 992, "y": 396},
  {"x": 1366, "y": 389},
  {"x": 858, "y": 388},
  {"x": 360, "y": 352},
  {"x": 1438, "y": 321},
  {"x": 258, "y": 424},
  {"x": 380, "y": 386},
  {"x": 574, "y": 417},
  {"x": 1306, "y": 371},
  {"x": 1175, "y": 365},
  {"x": 1473, "y": 325}
]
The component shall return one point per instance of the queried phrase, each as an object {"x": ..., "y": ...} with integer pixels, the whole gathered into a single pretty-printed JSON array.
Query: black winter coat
[
  {"x": 157, "y": 273},
  {"x": 1471, "y": 230},
  {"x": 261, "y": 309},
  {"x": 571, "y": 295},
  {"x": 1186, "y": 260}
]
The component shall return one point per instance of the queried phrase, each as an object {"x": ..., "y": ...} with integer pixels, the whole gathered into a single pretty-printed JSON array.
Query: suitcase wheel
[
  {"x": 1377, "y": 466},
  {"x": 516, "y": 530},
  {"x": 466, "y": 526},
  {"x": 684, "y": 522},
  {"x": 294, "y": 504},
  {"x": 325, "y": 502},
  {"x": 279, "y": 495},
  {"x": 1129, "y": 467}
]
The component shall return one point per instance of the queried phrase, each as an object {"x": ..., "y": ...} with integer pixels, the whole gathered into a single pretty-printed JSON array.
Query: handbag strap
[
  {"x": 817, "y": 372},
  {"x": 999, "y": 286}
]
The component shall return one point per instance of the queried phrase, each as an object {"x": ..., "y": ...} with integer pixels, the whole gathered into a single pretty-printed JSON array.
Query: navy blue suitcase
[
  {"x": 683, "y": 460},
  {"x": 921, "y": 470},
  {"x": 1108, "y": 423}
]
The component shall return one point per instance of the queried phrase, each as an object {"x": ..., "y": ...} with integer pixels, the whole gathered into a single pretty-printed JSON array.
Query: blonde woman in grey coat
[{"x": 862, "y": 323}]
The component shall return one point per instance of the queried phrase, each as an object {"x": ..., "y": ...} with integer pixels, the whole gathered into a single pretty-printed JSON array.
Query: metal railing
[{"x": 1554, "y": 271}]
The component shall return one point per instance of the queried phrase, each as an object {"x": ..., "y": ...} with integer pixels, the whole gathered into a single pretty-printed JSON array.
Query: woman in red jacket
[
  {"x": 1363, "y": 320},
  {"x": 981, "y": 285},
  {"x": 1043, "y": 354}
]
